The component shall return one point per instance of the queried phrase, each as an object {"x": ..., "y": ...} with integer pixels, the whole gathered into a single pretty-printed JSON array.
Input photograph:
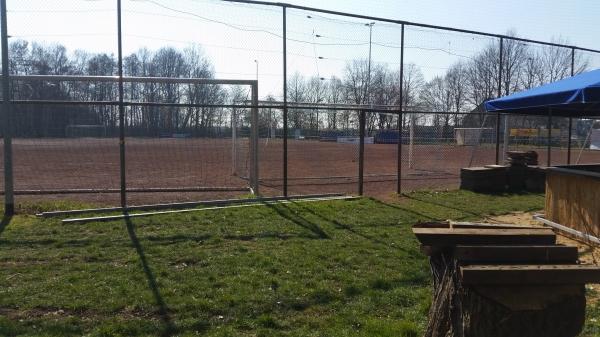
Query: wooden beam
[
  {"x": 492, "y": 226},
  {"x": 529, "y": 274},
  {"x": 467, "y": 236},
  {"x": 516, "y": 254}
]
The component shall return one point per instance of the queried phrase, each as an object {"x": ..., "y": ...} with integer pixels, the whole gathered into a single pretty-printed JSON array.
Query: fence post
[
  {"x": 285, "y": 106},
  {"x": 361, "y": 151},
  {"x": 570, "y": 118},
  {"x": 123, "y": 188},
  {"x": 233, "y": 141},
  {"x": 254, "y": 135},
  {"x": 498, "y": 117},
  {"x": 401, "y": 109},
  {"x": 9, "y": 203}
]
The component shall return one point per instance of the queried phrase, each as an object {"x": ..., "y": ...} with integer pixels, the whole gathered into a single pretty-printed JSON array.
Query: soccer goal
[{"x": 193, "y": 143}]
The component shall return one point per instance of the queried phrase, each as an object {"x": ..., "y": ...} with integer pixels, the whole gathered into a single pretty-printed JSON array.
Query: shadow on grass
[
  {"x": 439, "y": 204},
  {"x": 467, "y": 213},
  {"x": 350, "y": 229},
  {"x": 48, "y": 242},
  {"x": 403, "y": 209},
  {"x": 163, "y": 309},
  {"x": 298, "y": 220},
  {"x": 5, "y": 222}
]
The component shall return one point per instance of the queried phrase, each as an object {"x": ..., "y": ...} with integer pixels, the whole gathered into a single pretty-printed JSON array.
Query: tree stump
[
  {"x": 503, "y": 281},
  {"x": 515, "y": 311}
]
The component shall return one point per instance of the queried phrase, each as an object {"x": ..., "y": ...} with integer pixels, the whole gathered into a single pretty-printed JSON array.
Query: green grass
[{"x": 337, "y": 268}]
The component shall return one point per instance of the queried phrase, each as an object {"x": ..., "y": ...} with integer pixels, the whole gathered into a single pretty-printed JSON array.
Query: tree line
[
  {"x": 445, "y": 100},
  {"x": 450, "y": 99}
]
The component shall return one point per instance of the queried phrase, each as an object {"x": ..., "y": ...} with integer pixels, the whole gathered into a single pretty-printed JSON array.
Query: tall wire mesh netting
[
  {"x": 192, "y": 152},
  {"x": 337, "y": 65},
  {"x": 322, "y": 151},
  {"x": 586, "y": 131},
  {"x": 270, "y": 151},
  {"x": 64, "y": 148},
  {"x": 586, "y": 141},
  {"x": 381, "y": 153},
  {"x": 447, "y": 77},
  {"x": 437, "y": 146}
]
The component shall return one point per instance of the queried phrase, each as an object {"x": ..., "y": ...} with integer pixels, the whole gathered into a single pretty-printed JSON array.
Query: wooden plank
[
  {"x": 490, "y": 225},
  {"x": 516, "y": 254},
  {"x": 432, "y": 250},
  {"x": 432, "y": 224},
  {"x": 529, "y": 274},
  {"x": 572, "y": 200},
  {"x": 446, "y": 224},
  {"x": 467, "y": 236}
]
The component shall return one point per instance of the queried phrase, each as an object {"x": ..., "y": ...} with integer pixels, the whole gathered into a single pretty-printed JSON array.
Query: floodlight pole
[
  {"x": 121, "y": 108},
  {"x": 400, "y": 115},
  {"x": 9, "y": 203},
  {"x": 367, "y": 85}
]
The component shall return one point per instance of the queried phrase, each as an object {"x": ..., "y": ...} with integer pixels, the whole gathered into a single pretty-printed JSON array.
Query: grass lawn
[{"x": 336, "y": 268}]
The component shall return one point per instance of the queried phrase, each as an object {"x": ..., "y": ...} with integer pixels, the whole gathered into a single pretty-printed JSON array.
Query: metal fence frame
[{"x": 120, "y": 79}]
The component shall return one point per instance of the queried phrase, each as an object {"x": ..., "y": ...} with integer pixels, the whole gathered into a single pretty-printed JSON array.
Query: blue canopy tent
[{"x": 577, "y": 96}]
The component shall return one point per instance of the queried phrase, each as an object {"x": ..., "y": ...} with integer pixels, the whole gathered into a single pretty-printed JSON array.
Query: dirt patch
[{"x": 313, "y": 167}]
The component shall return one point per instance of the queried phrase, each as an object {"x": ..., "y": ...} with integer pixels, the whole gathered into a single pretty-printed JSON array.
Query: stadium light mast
[
  {"x": 256, "y": 61},
  {"x": 367, "y": 93}
]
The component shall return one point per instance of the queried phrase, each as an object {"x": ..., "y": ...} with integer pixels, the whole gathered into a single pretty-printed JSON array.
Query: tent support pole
[
  {"x": 549, "y": 159},
  {"x": 569, "y": 141},
  {"x": 498, "y": 120}
]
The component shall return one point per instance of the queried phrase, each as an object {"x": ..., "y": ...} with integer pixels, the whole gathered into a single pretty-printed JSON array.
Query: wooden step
[
  {"x": 516, "y": 254},
  {"x": 446, "y": 224},
  {"x": 492, "y": 226},
  {"x": 477, "y": 236},
  {"x": 529, "y": 274}
]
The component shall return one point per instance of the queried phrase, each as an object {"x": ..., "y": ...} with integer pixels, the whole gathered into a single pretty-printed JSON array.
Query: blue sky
[{"x": 233, "y": 36}]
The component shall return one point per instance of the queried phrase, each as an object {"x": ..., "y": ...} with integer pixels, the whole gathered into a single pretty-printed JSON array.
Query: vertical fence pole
[
  {"x": 549, "y": 149},
  {"x": 498, "y": 117},
  {"x": 401, "y": 109},
  {"x": 361, "y": 151},
  {"x": 285, "y": 106},
  {"x": 254, "y": 135},
  {"x": 233, "y": 141},
  {"x": 9, "y": 203},
  {"x": 570, "y": 118},
  {"x": 121, "y": 108}
]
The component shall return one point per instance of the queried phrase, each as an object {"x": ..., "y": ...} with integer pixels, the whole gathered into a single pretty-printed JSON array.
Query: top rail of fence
[{"x": 408, "y": 23}]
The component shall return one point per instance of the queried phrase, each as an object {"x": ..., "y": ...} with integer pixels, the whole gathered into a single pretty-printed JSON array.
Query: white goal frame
[{"x": 254, "y": 120}]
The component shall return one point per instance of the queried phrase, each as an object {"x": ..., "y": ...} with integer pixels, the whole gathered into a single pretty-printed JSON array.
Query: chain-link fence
[{"x": 345, "y": 103}]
